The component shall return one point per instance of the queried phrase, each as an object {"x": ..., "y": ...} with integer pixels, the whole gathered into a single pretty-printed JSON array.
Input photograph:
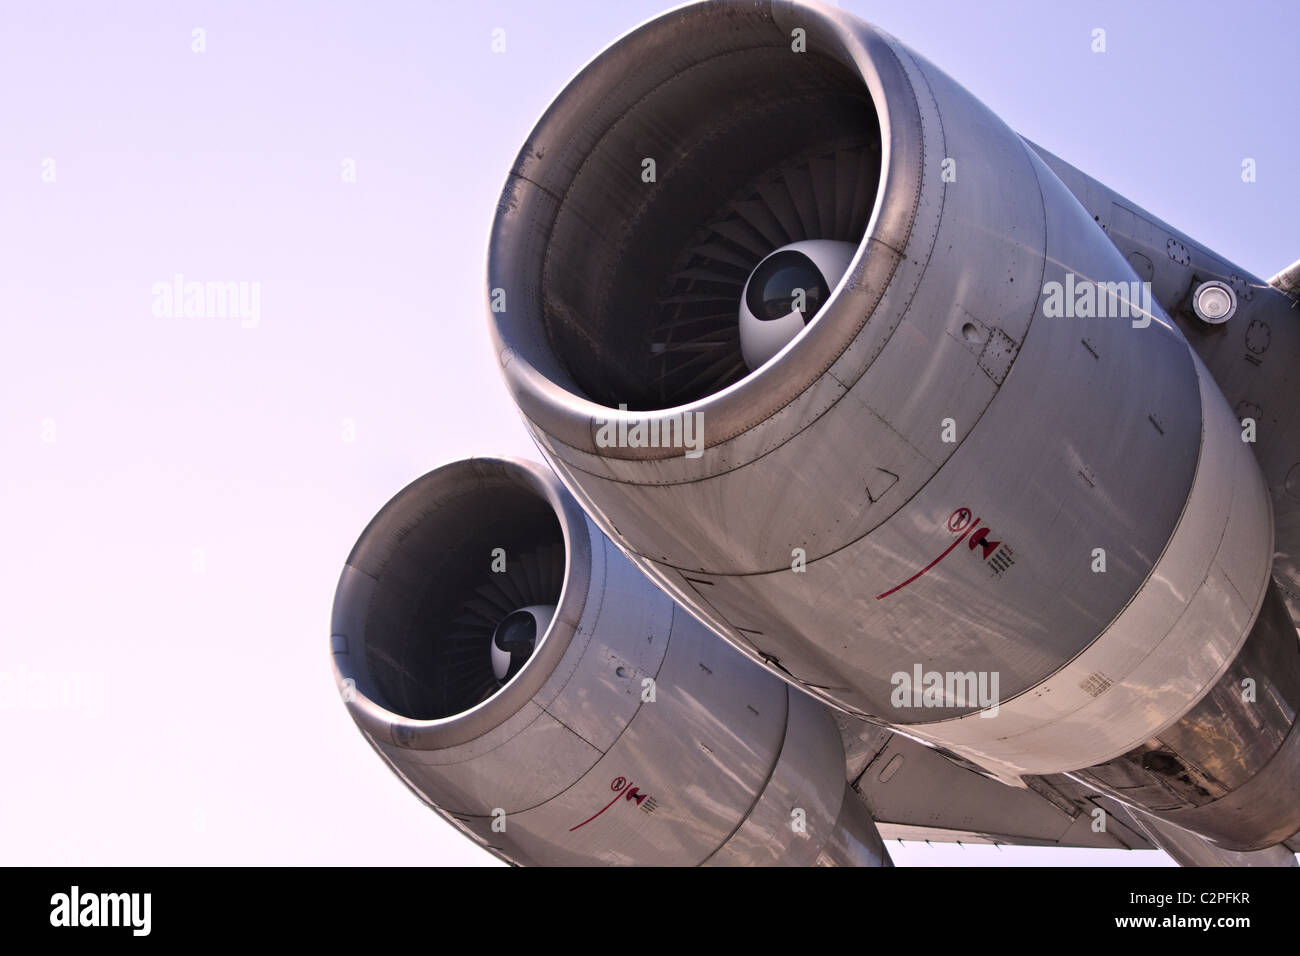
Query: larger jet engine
[{"x": 846, "y": 369}]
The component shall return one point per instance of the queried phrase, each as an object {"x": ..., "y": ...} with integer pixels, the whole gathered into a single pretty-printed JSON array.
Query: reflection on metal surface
[
  {"x": 629, "y": 734},
  {"x": 882, "y": 326}
]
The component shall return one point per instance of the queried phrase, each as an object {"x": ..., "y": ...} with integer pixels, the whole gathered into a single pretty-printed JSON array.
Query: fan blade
[
  {"x": 743, "y": 235},
  {"x": 523, "y": 584},
  {"x": 493, "y": 596},
  {"x": 847, "y": 171},
  {"x": 508, "y": 581},
  {"x": 720, "y": 253},
  {"x": 534, "y": 592},
  {"x": 822, "y": 169},
  {"x": 777, "y": 198},
  {"x": 710, "y": 275},
  {"x": 485, "y": 609},
  {"x": 693, "y": 297},
  {"x": 761, "y": 215},
  {"x": 556, "y": 563},
  {"x": 720, "y": 373},
  {"x": 799, "y": 182},
  {"x": 718, "y": 318}
]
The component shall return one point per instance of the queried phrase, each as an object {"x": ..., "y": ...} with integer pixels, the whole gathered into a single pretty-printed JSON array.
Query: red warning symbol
[
  {"x": 624, "y": 788},
  {"x": 958, "y": 520},
  {"x": 981, "y": 538},
  {"x": 959, "y": 523}
]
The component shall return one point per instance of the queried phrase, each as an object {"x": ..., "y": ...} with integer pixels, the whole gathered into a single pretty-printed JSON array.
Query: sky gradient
[{"x": 179, "y": 494}]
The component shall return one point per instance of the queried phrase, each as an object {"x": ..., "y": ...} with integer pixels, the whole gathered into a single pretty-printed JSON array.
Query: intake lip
[
  {"x": 565, "y": 175},
  {"x": 408, "y": 569}
]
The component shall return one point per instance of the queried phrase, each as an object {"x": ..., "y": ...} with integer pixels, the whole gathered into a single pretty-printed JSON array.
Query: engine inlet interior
[
  {"x": 736, "y": 147},
  {"x": 454, "y": 556}
]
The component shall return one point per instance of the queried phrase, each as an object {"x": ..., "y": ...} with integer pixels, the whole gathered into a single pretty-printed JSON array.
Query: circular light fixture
[{"x": 1214, "y": 302}]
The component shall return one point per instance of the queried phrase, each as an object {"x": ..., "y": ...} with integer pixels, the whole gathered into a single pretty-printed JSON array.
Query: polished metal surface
[
  {"x": 906, "y": 362},
  {"x": 1288, "y": 280},
  {"x": 632, "y": 735},
  {"x": 1250, "y": 358},
  {"x": 927, "y": 478},
  {"x": 1006, "y": 518},
  {"x": 1190, "y": 850},
  {"x": 1227, "y": 767}
]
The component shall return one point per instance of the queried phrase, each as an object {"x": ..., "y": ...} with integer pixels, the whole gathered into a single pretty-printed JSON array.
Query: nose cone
[
  {"x": 515, "y": 638},
  {"x": 785, "y": 291}
]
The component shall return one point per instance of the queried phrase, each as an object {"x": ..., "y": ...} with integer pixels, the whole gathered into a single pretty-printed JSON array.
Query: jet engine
[
  {"x": 976, "y": 456},
  {"x": 532, "y": 687}
]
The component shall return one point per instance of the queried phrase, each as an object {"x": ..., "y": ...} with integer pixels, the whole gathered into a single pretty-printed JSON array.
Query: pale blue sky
[{"x": 178, "y": 495}]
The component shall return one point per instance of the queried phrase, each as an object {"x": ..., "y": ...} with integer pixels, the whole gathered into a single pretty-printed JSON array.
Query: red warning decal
[
  {"x": 960, "y": 523},
  {"x": 624, "y": 788}
]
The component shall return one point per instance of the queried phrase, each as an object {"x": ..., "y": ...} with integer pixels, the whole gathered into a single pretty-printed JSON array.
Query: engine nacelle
[
  {"x": 989, "y": 456},
  {"x": 624, "y": 732}
]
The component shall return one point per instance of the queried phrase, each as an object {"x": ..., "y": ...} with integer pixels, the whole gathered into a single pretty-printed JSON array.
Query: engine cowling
[
  {"x": 621, "y": 732},
  {"x": 940, "y": 474}
]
